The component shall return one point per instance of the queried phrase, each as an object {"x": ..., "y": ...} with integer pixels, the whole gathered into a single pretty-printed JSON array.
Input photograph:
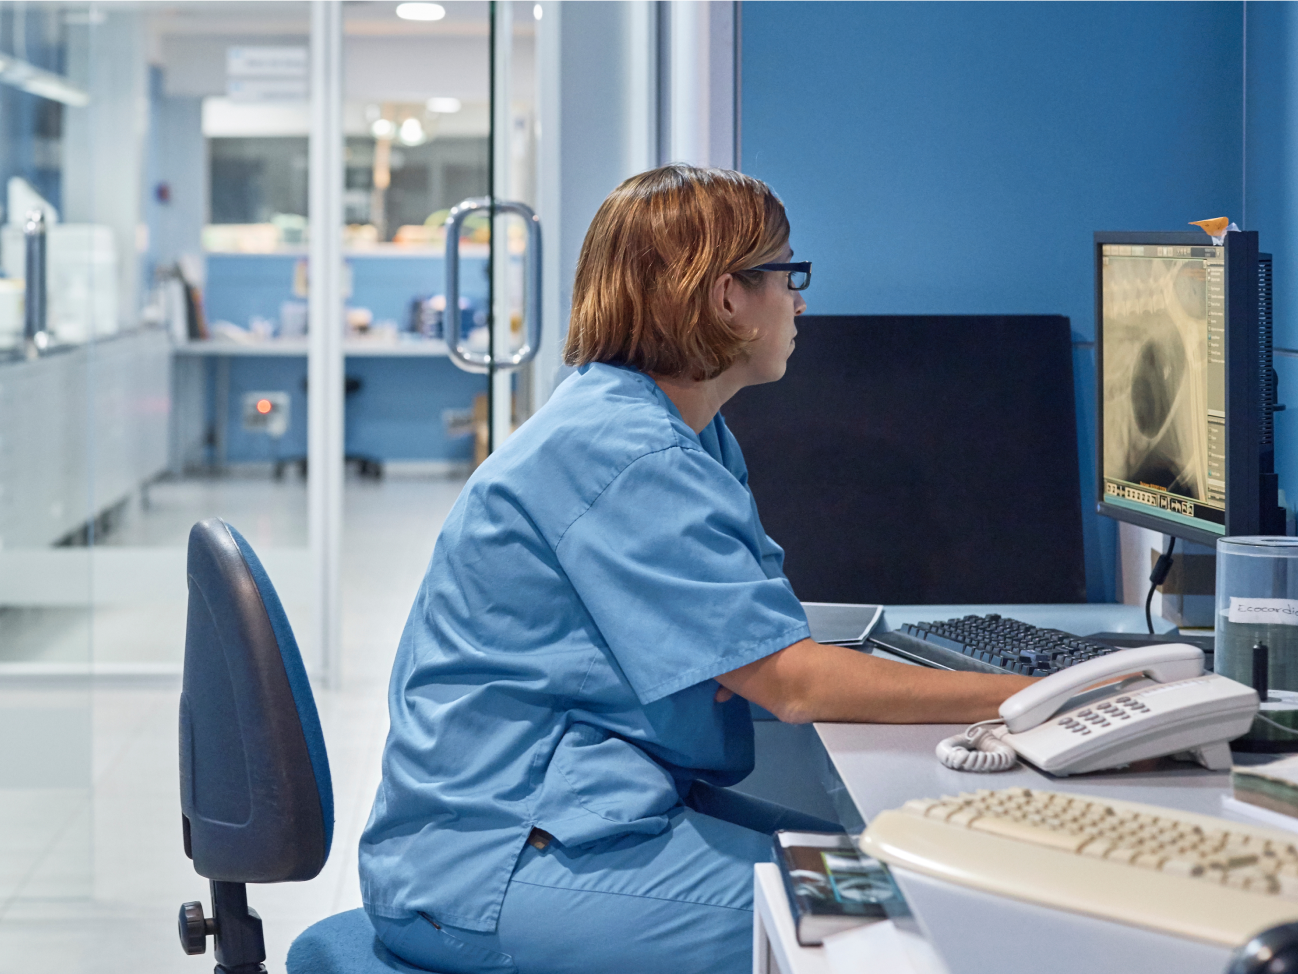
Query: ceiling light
[
  {"x": 383, "y": 128},
  {"x": 537, "y": 11},
  {"x": 443, "y": 106},
  {"x": 421, "y": 11},
  {"x": 411, "y": 132}
]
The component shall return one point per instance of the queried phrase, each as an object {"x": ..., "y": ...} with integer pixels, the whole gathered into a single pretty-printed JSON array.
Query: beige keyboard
[{"x": 1190, "y": 875}]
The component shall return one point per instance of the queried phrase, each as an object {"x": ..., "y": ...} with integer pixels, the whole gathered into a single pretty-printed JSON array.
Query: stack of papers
[{"x": 1265, "y": 793}]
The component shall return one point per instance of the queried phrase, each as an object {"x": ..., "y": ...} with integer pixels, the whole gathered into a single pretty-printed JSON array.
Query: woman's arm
[{"x": 810, "y": 681}]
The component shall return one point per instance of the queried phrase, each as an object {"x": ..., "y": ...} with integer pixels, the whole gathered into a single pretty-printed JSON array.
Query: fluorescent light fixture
[
  {"x": 421, "y": 11},
  {"x": 383, "y": 128},
  {"x": 443, "y": 106},
  {"x": 411, "y": 132},
  {"x": 38, "y": 81},
  {"x": 537, "y": 11}
]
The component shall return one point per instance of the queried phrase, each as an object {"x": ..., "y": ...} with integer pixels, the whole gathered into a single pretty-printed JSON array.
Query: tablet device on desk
[{"x": 842, "y": 623}]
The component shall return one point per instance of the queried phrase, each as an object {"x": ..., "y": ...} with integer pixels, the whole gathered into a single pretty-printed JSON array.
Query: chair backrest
[{"x": 254, "y": 776}]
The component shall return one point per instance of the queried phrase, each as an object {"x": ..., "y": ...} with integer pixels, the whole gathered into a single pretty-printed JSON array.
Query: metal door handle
[{"x": 469, "y": 360}]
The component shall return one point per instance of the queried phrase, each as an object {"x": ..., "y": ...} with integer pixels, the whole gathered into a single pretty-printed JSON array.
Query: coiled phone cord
[{"x": 977, "y": 749}]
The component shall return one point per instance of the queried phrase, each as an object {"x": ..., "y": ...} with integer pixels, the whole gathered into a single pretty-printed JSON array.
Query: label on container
[{"x": 1264, "y": 612}]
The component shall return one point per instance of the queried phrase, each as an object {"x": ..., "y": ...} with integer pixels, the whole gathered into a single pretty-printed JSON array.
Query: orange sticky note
[{"x": 1214, "y": 227}]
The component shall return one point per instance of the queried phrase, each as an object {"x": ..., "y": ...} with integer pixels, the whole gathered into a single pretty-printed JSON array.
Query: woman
[{"x": 571, "y": 691}]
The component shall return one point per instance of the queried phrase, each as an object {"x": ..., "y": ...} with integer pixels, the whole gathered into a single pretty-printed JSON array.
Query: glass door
[{"x": 437, "y": 122}]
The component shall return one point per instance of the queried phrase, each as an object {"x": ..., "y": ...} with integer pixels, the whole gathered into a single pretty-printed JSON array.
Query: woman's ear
[{"x": 723, "y": 296}]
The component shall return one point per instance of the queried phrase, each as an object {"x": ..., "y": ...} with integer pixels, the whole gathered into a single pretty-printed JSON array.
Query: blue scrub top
[{"x": 556, "y": 671}]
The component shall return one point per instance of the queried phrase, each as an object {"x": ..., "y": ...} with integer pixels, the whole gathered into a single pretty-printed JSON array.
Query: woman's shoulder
[
  {"x": 611, "y": 414},
  {"x": 596, "y": 426}
]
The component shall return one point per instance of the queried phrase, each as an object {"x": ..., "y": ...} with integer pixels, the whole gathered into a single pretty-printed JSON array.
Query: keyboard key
[{"x": 1010, "y": 829}]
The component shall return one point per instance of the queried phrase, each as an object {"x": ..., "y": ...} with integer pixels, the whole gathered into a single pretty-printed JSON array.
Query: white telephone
[{"x": 1163, "y": 703}]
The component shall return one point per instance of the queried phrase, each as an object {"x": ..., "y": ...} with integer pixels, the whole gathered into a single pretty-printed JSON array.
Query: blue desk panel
[{"x": 395, "y": 415}]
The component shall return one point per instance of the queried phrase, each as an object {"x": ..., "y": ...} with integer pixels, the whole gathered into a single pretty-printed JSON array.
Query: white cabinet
[{"x": 80, "y": 430}]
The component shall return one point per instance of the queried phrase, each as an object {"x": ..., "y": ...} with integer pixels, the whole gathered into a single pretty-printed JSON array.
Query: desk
[
  {"x": 882, "y": 766},
  {"x": 398, "y": 415}
]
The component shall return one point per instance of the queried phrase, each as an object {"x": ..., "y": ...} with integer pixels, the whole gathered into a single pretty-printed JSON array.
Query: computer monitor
[
  {"x": 927, "y": 459},
  {"x": 1185, "y": 386}
]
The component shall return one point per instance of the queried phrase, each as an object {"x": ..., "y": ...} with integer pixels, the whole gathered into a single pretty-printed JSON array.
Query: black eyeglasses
[{"x": 799, "y": 273}]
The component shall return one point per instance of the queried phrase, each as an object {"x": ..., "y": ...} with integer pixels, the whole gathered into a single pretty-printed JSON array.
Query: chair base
[{"x": 344, "y": 944}]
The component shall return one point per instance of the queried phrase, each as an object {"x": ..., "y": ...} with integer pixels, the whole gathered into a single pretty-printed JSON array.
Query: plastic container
[{"x": 1257, "y": 606}]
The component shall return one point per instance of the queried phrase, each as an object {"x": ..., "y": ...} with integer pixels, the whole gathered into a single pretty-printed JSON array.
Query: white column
[
  {"x": 700, "y": 59},
  {"x": 597, "y": 102},
  {"x": 502, "y": 128},
  {"x": 723, "y": 84},
  {"x": 554, "y": 313},
  {"x": 641, "y": 99},
  {"x": 690, "y": 79},
  {"x": 325, "y": 355}
]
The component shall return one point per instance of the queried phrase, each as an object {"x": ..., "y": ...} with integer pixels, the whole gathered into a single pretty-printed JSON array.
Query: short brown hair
[{"x": 642, "y": 295}]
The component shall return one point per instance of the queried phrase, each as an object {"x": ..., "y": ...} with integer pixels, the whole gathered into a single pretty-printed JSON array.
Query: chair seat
[{"x": 344, "y": 944}]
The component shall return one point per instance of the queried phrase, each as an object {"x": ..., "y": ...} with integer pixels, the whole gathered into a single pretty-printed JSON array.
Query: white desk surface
[{"x": 885, "y": 765}]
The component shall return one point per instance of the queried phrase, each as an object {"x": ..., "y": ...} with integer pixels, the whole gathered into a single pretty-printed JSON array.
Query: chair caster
[{"x": 195, "y": 928}]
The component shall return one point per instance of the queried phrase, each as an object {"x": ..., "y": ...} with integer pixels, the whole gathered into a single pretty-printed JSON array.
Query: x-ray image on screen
[{"x": 1155, "y": 345}]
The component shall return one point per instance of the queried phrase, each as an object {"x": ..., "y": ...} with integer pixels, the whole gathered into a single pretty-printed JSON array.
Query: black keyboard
[{"x": 990, "y": 644}]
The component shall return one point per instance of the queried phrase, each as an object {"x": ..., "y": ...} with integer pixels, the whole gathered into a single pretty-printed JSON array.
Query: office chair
[{"x": 255, "y": 793}]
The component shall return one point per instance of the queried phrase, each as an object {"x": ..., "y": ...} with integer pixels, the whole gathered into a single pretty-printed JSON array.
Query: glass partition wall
[
  {"x": 138, "y": 142},
  {"x": 178, "y": 340}
]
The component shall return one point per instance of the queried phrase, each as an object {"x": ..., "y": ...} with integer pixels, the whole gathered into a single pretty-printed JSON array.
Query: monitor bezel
[{"x": 1242, "y": 384}]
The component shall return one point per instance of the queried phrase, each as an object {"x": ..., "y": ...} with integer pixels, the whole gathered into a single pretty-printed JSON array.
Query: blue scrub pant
[{"x": 676, "y": 903}]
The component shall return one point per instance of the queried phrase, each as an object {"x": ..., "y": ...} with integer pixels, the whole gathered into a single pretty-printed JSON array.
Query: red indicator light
[{"x": 264, "y": 406}]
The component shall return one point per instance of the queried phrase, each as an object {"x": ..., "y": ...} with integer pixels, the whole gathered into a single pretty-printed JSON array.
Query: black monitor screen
[
  {"x": 1163, "y": 339},
  {"x": 921, "y": 459}
]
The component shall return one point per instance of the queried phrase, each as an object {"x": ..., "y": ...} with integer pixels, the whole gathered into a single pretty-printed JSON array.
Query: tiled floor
[{"x": 91, "y": 867}]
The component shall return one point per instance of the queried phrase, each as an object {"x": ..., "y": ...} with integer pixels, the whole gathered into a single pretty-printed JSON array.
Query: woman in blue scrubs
[{"x": 570, "y": 695}]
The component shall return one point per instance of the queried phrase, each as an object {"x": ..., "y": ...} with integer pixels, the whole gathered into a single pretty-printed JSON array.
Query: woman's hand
[{"x": 723, "y": 695}]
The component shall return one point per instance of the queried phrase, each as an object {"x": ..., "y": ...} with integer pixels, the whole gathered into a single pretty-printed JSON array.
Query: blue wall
[
  {"x": 955, "y": 158},
  {"x": 239, "y": 286}
]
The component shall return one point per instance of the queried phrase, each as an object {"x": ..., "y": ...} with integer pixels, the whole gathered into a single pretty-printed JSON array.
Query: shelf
[{"x": 352, "y": 348}]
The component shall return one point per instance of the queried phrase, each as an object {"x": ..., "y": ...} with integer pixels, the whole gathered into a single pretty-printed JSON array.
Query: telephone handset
[
  {"x": 1164, "y": 663},
  {"x": 1162, "y": 702}
]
